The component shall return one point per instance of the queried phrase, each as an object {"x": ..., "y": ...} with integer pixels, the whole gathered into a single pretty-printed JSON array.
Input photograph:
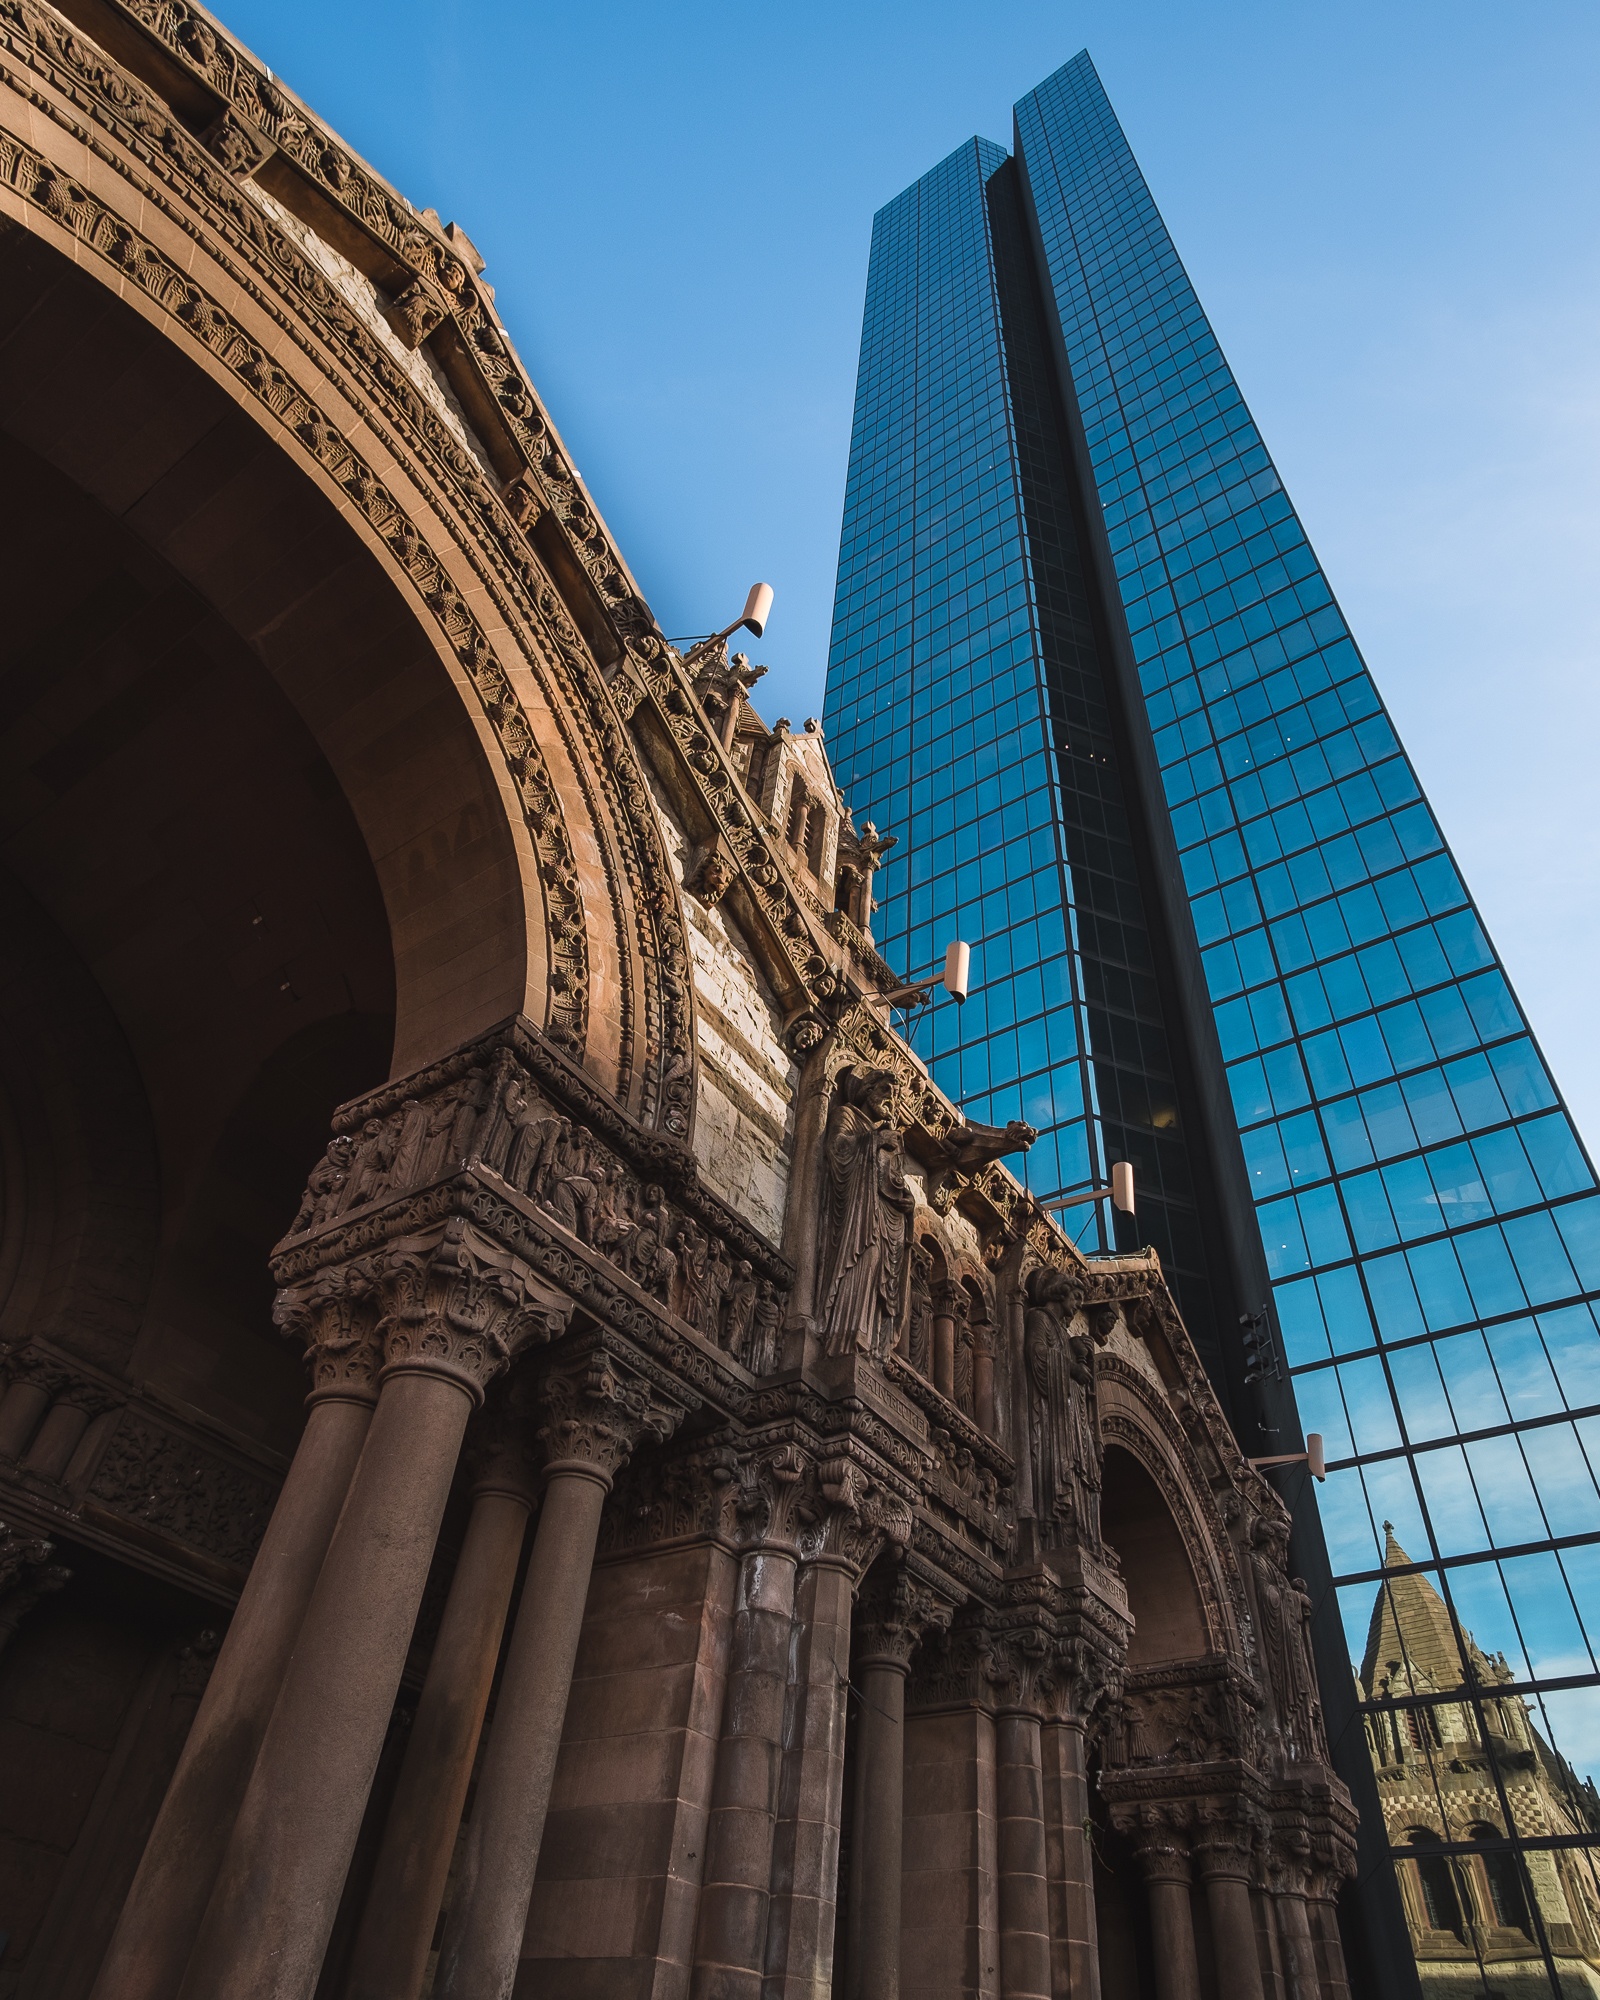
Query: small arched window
[
  {"x": 1436, "y": 1879},
  {"x": 1507, "y": 1903},
  {"x": 816, "y": 834}
]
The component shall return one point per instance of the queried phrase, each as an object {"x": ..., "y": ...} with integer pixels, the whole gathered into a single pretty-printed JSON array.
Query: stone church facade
[{"x": 733, "y": 1544}]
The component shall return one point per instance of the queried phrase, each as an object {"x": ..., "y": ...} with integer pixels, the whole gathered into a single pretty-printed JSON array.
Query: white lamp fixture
[
  {"x": 757, "y": 610},
  {"x": 954, "y": 979},
  {"x": 1311, "y": 1458},
  {"x": 1119, "y": 1193}
]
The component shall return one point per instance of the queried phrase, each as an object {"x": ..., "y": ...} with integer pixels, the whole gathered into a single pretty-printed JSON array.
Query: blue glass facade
[{"x": 1086, "y": 661}]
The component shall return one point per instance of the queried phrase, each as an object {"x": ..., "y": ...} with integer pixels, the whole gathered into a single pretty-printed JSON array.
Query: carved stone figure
[
  {"x": 739, "y": 1309},
  {"x": 1061, "y": 1369},
  {"x": 325, "y": 1186},
  {"x": 692, "y": 1251},
  {"x": 719, "y": 1277},
  {"x": 866, "y": 1260},
  {"x": 650, "y": 1256},
  {"x": 766, "y": 1323},
  {"x": 1284, "y": 1608},
  {"x": 536, "y": 1145}
]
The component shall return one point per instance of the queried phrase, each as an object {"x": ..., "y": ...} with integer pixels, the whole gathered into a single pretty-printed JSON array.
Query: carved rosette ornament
[
  {"x": 598, "y": 1412},
  {"x": 456, "y": 1303}
]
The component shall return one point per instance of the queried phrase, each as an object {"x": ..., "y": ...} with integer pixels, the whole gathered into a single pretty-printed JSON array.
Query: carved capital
[
  {"x": 26, "y": 1575},
  {"x": 1226, "y": 1838},
  {"x": 1021, "y": 1670},
  {"x": 334, "y": 1314},
  {"x": 499, "y": 1454},
  {"x": 857, "y": 1516},
  {"x": 951, "y": 1300},
  {"x": 775, "y": 1489},
  {"x": 597, "y": 1413},
  {"x": 1161, "y": 1838},
  {"x": 894, "y": 1612},
  {"x": 456, "y": 1303}
]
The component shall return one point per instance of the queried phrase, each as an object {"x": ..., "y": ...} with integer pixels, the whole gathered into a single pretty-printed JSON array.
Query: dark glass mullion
[
  {"x": 1508, "y": 1553},
  {"x": 1513, "y": 1427}
]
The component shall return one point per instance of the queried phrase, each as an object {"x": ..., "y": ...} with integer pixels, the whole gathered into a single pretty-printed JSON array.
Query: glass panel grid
[{"x": 1429, "y": 1215}]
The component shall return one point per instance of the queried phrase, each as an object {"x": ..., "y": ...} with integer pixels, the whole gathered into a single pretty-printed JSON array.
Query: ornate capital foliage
[
  {"x": 596, "y": 1411},
  {"x": 895, "y": 1610}
]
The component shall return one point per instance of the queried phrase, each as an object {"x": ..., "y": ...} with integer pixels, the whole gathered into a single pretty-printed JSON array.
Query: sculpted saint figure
[
  {"x": 867, "y": 1215},
  {"x": 739, "y": 1309},
  {"x": 1061, "y": 1369},
  {"x": 1284, "y": 1608},
  {"x": 766, "y": 1326}
]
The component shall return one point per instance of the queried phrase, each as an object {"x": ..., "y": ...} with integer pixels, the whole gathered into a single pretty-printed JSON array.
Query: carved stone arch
[
  {"x": 1135, "y": 1419},
  {"x": 283, "y": 327}
]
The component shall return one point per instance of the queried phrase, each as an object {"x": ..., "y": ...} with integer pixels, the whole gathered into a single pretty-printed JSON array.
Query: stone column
[
  {"x": 946, "y": 1300},
  {"x": 156, "y": 1931},
  {"x": 396, "y": 1934},
  {"x": 1223, "y": 1852},
  {"x": 596, "y": 1413},
  {"x": 891, "y": 1616},
  {"x": 983, "y": 1409},
  {"x": 805, "y": 1862},
  {"x": 1025, "y": 1675},
  {"x": 455, "y": 1306},
  {"x": 1162, "y": 1844},
  {"x": 59, "y": 1436},
  {"x": 735, "y": 1888},
  {"x": 1075, "y": 1947},
  {"x": 1333, "y": 1862},
  {"x": 1301, "y": 1976}
]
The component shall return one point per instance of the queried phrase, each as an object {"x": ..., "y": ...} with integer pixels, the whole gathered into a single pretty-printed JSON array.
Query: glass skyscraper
[{"x": 1085, "y": 662}]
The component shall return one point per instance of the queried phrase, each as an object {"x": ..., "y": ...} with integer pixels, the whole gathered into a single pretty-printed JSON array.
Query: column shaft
[
  {"x": 1024, "y": 1900},
  {"x": 391, "y": 1953},
  {"x": 1233, "y": 1935},
  {"x": 1075, "y": 1946},
  {"x": 1323, "y": 1913},
  {"x": 156, "y": 1930},
  {"x": 1172, "y": 1939},
  {"x": 944, "y": 1354},
  {"x": 277, "y": 1893},
  {"x": 21, "y": 1411},
  {"x": 805, "y": 1861},
  {"x": 483, "y": 1933},
  {"x": 873, "y": 1958},
  {"x": 983, "y": 1411},
  {"x": 1299, "y": 1948},
  {"x": 731, "y": 1936}
]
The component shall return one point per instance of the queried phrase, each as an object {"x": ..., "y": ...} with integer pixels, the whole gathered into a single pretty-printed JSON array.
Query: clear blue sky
[{"x": 1391, "y": 212}]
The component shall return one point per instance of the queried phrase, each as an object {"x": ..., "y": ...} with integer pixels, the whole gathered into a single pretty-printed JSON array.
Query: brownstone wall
[{"x": 614, "y": 1902}]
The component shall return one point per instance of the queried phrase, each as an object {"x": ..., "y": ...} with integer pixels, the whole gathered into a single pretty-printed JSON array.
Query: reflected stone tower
[{"x": 1086, "y": 664}]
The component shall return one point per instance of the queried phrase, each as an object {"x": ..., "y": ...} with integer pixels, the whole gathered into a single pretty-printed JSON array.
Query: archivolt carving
[
  {"x": 497, "y": 546},
  {"x": 1220, "y": 1597}
]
